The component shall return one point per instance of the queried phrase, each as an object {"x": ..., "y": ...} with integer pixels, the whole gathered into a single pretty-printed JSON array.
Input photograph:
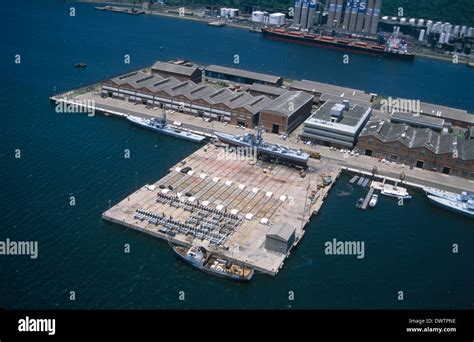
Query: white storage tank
[
  {"x": 421, "y": 37},
  {"x": 403, "y": 20},
  {"x": 446, "y": 38},
  {"x": 277, "y": 19},
  {"x": 429, "y": 27},
  {"x": 463, "y": 30},
  {"x": 412, "y": 21},
  {"x": 257, "y": 17},
  {"x": 441, "y": 38},
  {"x": 274, "y": 19},
  {"x": 421, "y": 22},
  {"x": 456, "y": 30},
  {"x": 233, "y": 12},
  {"x": 470, "y": 32}
]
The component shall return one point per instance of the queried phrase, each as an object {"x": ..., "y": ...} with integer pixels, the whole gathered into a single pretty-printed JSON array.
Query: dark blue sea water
[{"x": 406, "y": 248}]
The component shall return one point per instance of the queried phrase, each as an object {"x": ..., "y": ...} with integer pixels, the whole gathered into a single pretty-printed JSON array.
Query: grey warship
[{"x": 275, "y": 152}]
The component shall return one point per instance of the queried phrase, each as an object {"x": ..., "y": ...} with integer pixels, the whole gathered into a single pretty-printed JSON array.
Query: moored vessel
[
  {"x": 277, "y": 152},
  {"x": 160, "y": 125},
  {"x": 373, "y": 200},
  {"x": 390, "y": 49},
  {"x": 464, "y": 208},
  {"x": 212, "y": 263}
]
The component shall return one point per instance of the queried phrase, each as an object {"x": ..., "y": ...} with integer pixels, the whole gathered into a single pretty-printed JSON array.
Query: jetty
[{"x": 251, "y": 211}]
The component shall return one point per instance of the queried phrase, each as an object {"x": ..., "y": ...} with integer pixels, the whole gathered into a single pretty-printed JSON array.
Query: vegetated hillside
[{"x": 460, "y": 12}]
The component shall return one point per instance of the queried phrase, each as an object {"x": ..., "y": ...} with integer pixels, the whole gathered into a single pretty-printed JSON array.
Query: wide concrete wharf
[
  {"x": 361, "y": 165},
  {"x": 226, "y": 203}
]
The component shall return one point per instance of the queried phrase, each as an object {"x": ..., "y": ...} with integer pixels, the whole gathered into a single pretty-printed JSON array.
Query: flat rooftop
[{"x": 350, "y": 121}]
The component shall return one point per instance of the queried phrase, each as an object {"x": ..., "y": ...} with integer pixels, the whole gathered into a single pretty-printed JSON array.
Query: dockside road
[{"x": 364, "y": 164}]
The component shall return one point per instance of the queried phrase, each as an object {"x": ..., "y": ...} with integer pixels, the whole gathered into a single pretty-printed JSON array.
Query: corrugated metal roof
[
  {"x": 243, "y": 73},
  {"x": 289, "y": 102},
  {"x": 174, "y": 68}
]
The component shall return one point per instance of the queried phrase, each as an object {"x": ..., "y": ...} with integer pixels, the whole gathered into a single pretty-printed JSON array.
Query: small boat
[
  {"x": 80, "y": 65},
  {"x": 359, "y": 203},
  {"x": 470, "y": 64},
  {"x": 200, "y": 258},
  {"x": 394, "y": 191},
  {"x": 373, "y": 200}
]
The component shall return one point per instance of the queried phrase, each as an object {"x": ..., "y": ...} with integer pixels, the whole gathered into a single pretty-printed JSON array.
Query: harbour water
[{"x": 407, "y": 248}]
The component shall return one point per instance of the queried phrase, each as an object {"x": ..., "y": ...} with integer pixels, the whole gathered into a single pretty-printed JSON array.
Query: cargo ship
[
  {"x": 211, "y": 263},
  {"x": 275, "y": 152},
  {"x": 394, "y": 47}
]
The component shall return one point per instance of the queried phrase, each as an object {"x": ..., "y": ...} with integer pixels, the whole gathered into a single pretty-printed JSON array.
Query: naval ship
[
  {"x": 212, "y": 263},
  {"x": 460, "y": 203},
  {"x": 276, "y": 152},
  {"x": 160, "y": 125}
]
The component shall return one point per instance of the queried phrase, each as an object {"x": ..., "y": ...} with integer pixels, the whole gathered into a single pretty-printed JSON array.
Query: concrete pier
[{"x": 227, "y": 203}]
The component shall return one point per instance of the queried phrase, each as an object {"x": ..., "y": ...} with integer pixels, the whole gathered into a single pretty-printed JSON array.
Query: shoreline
[{"x": 438, "y": 57}]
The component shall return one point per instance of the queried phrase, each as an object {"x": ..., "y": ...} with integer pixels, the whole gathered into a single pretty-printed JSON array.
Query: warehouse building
[
  {"x": 326, "y": 92},
  {"x": 236, "y": 107},
  {"x": 286, "y": 112},
  {"x": 336, "y": 124},
  {"x": 280, "y": 238},
  {"x": 270, "y": 91},
  {"x": 418, "y": 121},
  {"x": 178, "y": 71},
  {"x": 418, "y": 147},
  {"x": 220, "y": 73}
]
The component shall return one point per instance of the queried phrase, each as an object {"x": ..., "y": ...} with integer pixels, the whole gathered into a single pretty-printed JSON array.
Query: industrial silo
[
  {"x": 347, "y": 15},
  {"x": 297, "y": 16},
  {"x": 331, "y": 12},
  {"x": 311, "y": 14},
  {"x": 304, "y": 14},
  {"x": 375, "y": 17},
  {"x": 338, "y": 15},
  {"x": 360, "y": 15},
  {"x": 368, "y": 15}
]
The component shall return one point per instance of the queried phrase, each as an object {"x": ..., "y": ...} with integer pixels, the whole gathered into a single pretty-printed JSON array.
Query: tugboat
[{"x": 200, "y": 258}]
